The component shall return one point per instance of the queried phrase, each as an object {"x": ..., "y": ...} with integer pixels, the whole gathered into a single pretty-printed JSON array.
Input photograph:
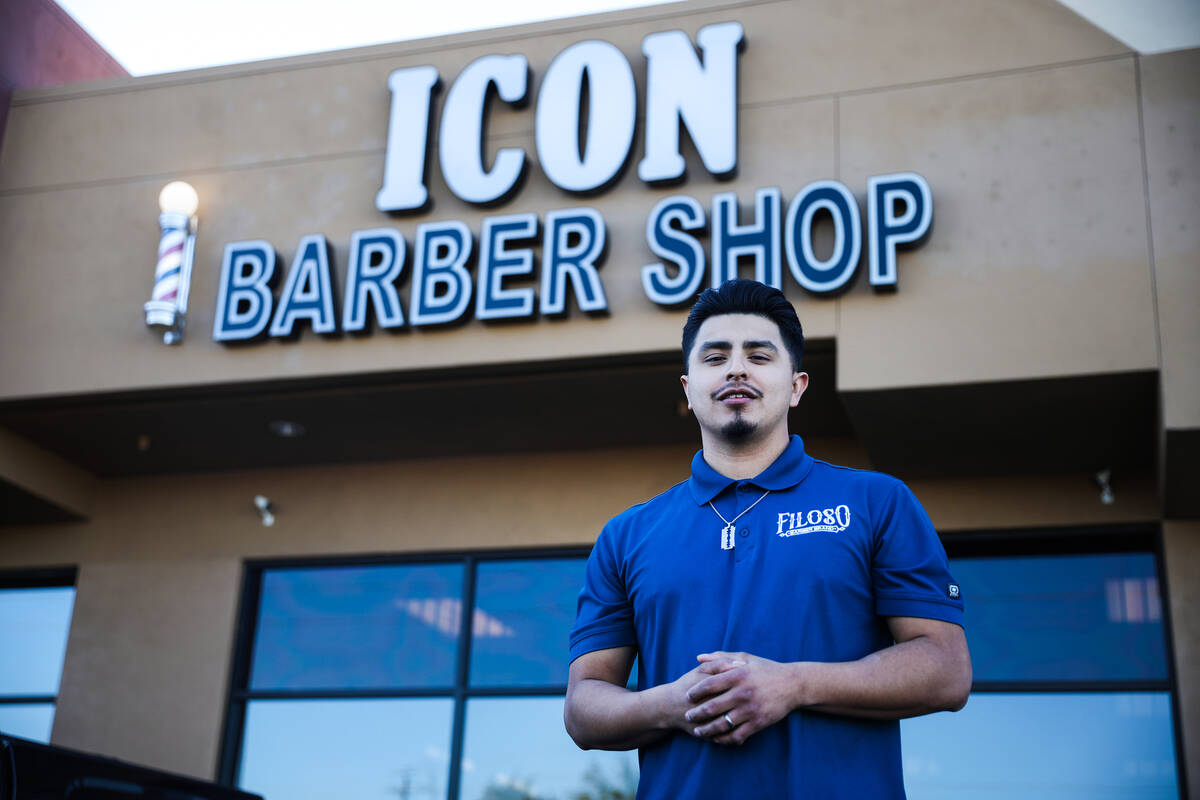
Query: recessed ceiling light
[{"x": 286, "y": 429}]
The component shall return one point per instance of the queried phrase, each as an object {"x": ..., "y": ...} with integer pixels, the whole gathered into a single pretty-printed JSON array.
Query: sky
[{"x": 152, "y": 36}]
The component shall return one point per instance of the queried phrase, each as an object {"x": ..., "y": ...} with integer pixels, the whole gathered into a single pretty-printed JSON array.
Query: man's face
[{"x": 740, "y": 382}]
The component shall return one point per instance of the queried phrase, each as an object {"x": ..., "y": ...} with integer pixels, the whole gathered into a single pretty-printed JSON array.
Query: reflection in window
[
  {"x": 353, "y": 749},
  {"x": 34, "y": 623},
  {"x": 445, "y": 614},
  {"x": 357, "y": 675},
  {"x": 1090, "y": 746},
  {"x": 358, "y": 627},
  {"x": 526, "y": 608},
  {"x": 1067, "y": 621},
  {"x": 1064, "y": 618},
  {"x": 1133, "y": 600},
  {"x": 517, "y": 748}
]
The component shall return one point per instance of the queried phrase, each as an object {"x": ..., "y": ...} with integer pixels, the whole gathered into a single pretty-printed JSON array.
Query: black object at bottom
[{"x": 33, "y": 771}]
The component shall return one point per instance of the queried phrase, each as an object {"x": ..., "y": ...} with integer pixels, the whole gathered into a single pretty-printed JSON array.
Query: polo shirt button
[{"x": 744, "y": 532}]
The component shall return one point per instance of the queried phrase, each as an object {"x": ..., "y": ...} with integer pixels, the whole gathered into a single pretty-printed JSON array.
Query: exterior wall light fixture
[
  {"x": 1103, "y": 480},
  {"x": 167, "y": 310},
  {"x": 266, "y": 509},
  {"x": 286, "y": 429}
]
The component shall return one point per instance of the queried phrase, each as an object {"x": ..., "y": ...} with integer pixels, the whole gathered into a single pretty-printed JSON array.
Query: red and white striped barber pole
[{"x": 167, "y": 309}]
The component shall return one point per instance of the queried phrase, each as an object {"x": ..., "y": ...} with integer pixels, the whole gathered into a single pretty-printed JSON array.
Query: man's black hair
[{"x": 740, "y": 296}]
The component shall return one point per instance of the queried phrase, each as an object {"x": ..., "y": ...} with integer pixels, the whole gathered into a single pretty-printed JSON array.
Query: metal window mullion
[
  {"x": 247, "y": 695},
  {"x": 39, "y": 578},
  {"x": 514, "y": 690},
  {"x": 518, "y": 691},
  {"x": 431, "y": 557},
  {"x": 462, "y": 675},
  {"x": 1069, "y": 687},
  {"x": 239, "y": 676},
  {"x": 1164, "y": 599},
  {"x": 13, "y": 699}
]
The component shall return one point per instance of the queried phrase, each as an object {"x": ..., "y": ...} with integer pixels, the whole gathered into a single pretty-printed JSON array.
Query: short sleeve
[
  {"x": 910, "y": 572},
  {"x": 604, "y": 615}
]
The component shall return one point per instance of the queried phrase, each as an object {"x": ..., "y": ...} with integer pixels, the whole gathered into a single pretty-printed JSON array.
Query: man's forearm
[
  {"x": 602, "y": 716},
  {"x": 904, "y": 680}
]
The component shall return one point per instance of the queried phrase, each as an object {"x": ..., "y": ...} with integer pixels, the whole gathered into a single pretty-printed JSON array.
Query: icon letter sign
[{"x": 697, "y": 93}]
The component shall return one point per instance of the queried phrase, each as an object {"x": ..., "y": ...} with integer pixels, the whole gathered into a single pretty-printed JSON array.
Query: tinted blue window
[
  {"x": 27, "y": 720},
  {"x": 351, "y": 749},
  {"x": 515, "y": 748},
  {"x": 34, "y": 623},
  {"x": 1100, "y": 746},
  {"x": 1068, "y": 618},
  {"x": 358, "y": 627},
  {"x": 33, "y": 629},
  {"x": 523, "y": 614},
  {"x": 396, "y": 627}
]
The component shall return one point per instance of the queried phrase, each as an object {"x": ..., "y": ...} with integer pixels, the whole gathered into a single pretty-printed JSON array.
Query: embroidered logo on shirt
[
  {"x": 827, "y": 520},
  {"x": 952, "y": 590}
]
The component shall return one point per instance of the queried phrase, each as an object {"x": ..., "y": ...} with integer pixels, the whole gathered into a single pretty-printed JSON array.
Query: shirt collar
[{"x": 789, "y": 469}]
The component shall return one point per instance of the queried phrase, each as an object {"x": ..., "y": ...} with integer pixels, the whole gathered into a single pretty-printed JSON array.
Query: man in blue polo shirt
[{"x": 787, "y": 612}]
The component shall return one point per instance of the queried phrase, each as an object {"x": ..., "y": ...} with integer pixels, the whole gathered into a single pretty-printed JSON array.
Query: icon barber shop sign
[{"x": 585, "y": 113}]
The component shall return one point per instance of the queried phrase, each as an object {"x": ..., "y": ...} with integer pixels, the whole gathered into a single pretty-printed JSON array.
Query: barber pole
[{"x": 167, "y": 308}]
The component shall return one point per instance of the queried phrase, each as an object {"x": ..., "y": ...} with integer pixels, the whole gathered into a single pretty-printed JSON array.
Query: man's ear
[
  {"x": 799, "y": 384},
  {"x": 683, "y": 380}
]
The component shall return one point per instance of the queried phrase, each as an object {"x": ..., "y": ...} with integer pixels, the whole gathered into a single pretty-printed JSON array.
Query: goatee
[{"x": 737, "y": 430}]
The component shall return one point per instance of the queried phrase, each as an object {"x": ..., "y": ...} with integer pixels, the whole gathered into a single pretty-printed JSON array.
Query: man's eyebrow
[
  {"x": 760, "y": 344},
  {"x": 716, "y": 344}
]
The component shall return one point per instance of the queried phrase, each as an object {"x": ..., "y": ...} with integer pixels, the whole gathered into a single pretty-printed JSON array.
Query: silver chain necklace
[{"x": 727, "y": 531}]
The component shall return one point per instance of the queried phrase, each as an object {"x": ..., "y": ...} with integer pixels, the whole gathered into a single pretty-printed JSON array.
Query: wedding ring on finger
[{"x": 727, "y": 719}]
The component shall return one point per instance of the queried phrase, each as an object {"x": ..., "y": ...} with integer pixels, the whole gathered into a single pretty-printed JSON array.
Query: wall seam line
[
  {"x": 973, "y": 76},
  {"x": 837, "y": 176},
  {"x": 182, "y": 173},
  {"x": 1137, "y": 72},
  {"x": 508, "y": 136}
]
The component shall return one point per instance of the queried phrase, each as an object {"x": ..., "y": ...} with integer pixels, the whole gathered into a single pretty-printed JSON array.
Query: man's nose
[{"x": 737, "y": 367}]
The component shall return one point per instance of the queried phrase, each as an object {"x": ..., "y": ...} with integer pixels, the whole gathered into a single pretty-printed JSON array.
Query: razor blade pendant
[{"x": 727, "y": 537}]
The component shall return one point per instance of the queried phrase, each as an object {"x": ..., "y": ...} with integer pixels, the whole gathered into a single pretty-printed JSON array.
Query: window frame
[
  {"x": 38, "y": 578},
  {"x": 239, "y": 695},
  {"x": 1083, "y": 540},
  {"x": 959, "y": 544}
]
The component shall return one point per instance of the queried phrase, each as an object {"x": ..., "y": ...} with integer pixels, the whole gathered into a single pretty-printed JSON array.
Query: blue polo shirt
[{"x": 816, "y": 567}]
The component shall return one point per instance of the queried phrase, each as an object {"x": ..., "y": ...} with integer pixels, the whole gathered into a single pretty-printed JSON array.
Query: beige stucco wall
[
  {"x": 1171, "y": 107},
  {"x": 44, "y": 474},
  {"x": 144, "y": 677},
  {"x": 1023, "y": 117},
  {"x": 1037, "y": 264},
  {"x": 160, "y": 561}
]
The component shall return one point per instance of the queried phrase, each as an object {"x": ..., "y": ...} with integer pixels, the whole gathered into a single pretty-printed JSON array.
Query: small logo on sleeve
[
  {"x": 829, "y": 520},
  {"x": 952, "y": 590}
]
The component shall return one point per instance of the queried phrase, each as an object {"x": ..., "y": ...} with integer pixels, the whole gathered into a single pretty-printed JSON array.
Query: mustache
[{"x": 744, "y": 388}]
